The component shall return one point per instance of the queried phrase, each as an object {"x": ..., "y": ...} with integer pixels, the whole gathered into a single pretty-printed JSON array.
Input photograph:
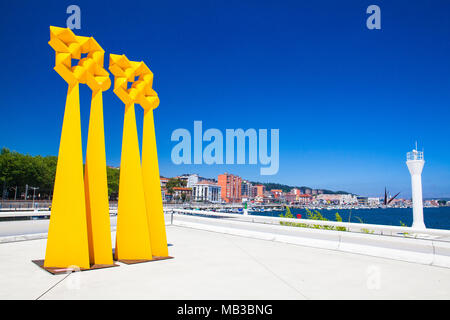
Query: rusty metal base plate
[
  {"x": 155, "y": 258},
  {"x": 55, "y": 270}
]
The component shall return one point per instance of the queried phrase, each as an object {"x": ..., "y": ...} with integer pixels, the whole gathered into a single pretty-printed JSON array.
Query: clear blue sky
[{"x": 349, "y": 102}]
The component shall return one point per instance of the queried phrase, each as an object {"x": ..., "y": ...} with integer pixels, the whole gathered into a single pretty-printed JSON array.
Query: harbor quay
[{"x": 232, "y": 256}]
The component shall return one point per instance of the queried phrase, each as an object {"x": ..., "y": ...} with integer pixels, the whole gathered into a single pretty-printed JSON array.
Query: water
[{"x": 435, "y": 218}]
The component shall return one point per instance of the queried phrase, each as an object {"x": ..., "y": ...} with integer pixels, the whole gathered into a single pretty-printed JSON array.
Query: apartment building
[
  {"x": 246, "y": 189},
  {"x": 230, "y": 187}
]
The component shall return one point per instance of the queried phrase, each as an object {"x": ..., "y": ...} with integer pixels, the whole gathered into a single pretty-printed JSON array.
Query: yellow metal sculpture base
[
  {"x": 65, "y": 270},
  {"x": 155, "y": 258}
]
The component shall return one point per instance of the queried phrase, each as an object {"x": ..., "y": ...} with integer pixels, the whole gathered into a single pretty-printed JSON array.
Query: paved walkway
[{"x": 210, "y": 265}]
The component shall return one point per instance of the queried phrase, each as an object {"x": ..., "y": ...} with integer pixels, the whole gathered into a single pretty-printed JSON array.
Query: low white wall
[
  {"x": 23, "y": 227},
  {"x": 421, "y": 251},
  {"x": 424, "y": 251},
  {"x": 29, "y": 229}
]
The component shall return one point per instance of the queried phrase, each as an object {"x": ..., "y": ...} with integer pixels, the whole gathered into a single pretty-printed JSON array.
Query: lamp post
[
  {"x": 15, "y": 192},
  {"x": 34, "y": 192}
]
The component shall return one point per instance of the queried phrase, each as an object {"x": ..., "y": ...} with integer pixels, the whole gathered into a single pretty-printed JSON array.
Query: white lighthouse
[{"x": 415, "y": 162}]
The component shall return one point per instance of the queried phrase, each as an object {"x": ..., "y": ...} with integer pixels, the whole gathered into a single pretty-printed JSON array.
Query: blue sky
[{"x": 349, "y": 102}]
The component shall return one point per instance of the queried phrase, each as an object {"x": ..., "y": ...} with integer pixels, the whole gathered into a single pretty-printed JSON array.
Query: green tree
[
  {"x": 21, "y": 169},
  {"x": 113, "y": 175}
]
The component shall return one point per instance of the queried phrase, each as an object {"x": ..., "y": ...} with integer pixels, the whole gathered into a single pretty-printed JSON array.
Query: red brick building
[
  {"x": 276, "y": 193},
  {"x": 260, "y": 189},
  {"x": 231, "y": 187}
]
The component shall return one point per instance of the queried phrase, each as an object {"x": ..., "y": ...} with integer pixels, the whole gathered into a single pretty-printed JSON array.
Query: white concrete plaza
[{"x": 210, "y": 265}]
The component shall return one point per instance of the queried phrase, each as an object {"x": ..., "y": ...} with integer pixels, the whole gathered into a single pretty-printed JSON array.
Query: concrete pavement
[{"x": 210, "y": 265}]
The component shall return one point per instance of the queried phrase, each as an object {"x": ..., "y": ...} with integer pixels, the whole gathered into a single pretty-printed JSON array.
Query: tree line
[{"x": 18, "y": 170}]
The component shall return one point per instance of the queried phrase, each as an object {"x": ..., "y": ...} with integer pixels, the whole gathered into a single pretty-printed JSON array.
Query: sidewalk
[{"x": 211, "y": 265}]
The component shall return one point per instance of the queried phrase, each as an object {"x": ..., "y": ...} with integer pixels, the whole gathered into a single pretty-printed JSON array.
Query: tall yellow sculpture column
[
  {"x": 96, "y": 186},
  {"x": 150, "y": 170},
  {"x": 132, "y": 232},
  {"x": 67, "y": 243},
  {"x": 79, "y": 234}
]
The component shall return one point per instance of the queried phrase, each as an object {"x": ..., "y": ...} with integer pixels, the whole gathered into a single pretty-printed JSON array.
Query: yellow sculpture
[
  {"x": 79, "y": 232},
  {"x": 67, "y": 242},
  {"x": 96, "y": 186},
  {"x": 140, "y": 92},
  {"x": 132, "y": 232},
  {"x": 149, "y": 100}
]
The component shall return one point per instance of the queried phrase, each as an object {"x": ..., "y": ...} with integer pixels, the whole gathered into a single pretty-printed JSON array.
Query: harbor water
[{"x": 435, "y": 218}]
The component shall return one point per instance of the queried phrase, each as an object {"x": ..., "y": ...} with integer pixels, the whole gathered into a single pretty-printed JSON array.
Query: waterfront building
[
  {"x": 291, "y": 197},
  {"x": 339, "y": 199},
  {"x": 246, "y": 189},
  {"x": 373, "y": 202},
  {"x": 276, "y": 193},
  {"x": 230, "y": 187},
  {"x": 260, "y": 189},
  {"x": 329, "y": 198},
  {"x": 163, "y": 182},
  {"x": 191, "y": 180},
  {"x": 348, "y": 199},
  {"x": 431, "y": 203},
  {"x": 182, "y": 193},
  {"x": 362, "y": 201},
  {"x": 253, "y": 192},
  {"x": 259, "y": 199},
  {"x": 305, "y": 199},
  {"x": 268, "y": 197},
  {"x": 166, "y": 195},
  {"x": 206, "y": 191},
  {"x": 183, "y": 177}
]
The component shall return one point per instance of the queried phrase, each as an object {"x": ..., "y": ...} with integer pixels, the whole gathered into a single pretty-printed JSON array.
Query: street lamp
[
  {"x": 15, "y": 192},
  {"x": 34, "y": 191}
]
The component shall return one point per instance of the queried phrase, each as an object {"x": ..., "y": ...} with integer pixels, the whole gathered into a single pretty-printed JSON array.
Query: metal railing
[
  {"x": 408, "y": 232},
  {"x": 414, "y": 155},
  {"x": 21, "y": 205}
]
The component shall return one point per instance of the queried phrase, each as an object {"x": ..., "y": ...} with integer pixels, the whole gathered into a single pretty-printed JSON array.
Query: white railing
[
  {"x": 349, "y": 226},
  {"x": 414, "y": 155}
]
